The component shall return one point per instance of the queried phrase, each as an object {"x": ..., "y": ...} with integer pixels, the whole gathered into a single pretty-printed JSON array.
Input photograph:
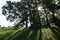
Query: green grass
[{"x": 50, "y": 33}]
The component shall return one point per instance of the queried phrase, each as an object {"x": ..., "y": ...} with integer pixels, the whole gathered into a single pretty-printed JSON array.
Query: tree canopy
[{"x": 35, "y": 12}]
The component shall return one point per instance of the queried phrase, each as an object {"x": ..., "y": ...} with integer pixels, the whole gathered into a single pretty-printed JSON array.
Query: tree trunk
[
  {"x": 47, "y": 20},
  {"x": 26, "y": 23},
  {"x": 39, "y": 19},
  {"x": 54, "y": 20}
]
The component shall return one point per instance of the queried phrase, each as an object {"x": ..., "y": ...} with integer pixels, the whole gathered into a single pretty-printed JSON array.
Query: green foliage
[{"x": 26, "y": 11}]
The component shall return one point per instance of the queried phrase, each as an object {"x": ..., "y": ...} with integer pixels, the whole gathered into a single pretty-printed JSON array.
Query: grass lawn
[{"x": 50, "y": 33}]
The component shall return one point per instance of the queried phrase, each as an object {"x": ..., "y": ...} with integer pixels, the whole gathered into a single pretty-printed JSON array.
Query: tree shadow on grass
[
  {"x": 35, "y": 34},
  {"x": 22, "y": 35},
  {"x": 4, "y": 36},
  {"x": 27, "y": 34},
  {"x": 9, "y": 35},
  {"x": 19, "y": 34},
  {"x": 32, "y": 34},
  {"x": 56, "y": 32},
  {"x": 15, "y": 33}
]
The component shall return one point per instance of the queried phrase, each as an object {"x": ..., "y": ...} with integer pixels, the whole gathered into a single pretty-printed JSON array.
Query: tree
[{"x": 26, "y": 11}]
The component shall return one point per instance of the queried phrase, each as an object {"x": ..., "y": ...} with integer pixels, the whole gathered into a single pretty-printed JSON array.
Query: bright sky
[{"x": 3, "y": 21}]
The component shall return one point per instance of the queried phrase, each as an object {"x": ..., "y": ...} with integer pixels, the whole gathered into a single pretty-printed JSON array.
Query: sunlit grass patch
[
  {"x": 4, "y": 31},
  {"x": 47, "y": 34}
]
